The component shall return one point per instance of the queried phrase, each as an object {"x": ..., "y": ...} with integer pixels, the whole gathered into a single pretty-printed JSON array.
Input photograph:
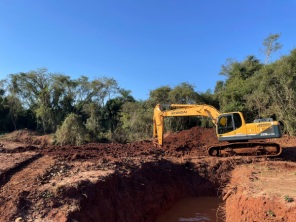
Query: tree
[
  {"x": 93, "y": 121},
  {"x": 136, "y": 121},
  {"x": 4, "y": 109},
  {"x": 125, "y": 96},
  {"x": 54, "y": 96},
  {"x": 242, "y": 70},
  {"x": 15, "y": 109},
  {"x": 112, "y": 111},
  {"x": 274, "y": 92},
  {"x": 62, "y": 97},
  {"x": 34, "y": 89},
  {"x": 271, "y": 45},
  {"x": 98, "y": 90},
  {"x": 218, "y": 94},
  {"x": 184, "y": 94},
  {"x": 283, "y": 93},
  {"x": 160, "y": 95},
  {"x": 237, "y": 85}
]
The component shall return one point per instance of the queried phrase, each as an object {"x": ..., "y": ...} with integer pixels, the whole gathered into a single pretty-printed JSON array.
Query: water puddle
[{"x": 201, "y": 209}]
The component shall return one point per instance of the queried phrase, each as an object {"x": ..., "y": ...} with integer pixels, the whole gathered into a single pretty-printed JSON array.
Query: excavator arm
[{"x": 180, "y": 110}]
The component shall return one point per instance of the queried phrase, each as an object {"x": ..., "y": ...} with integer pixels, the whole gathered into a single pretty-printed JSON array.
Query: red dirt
[
  {"x": 116, "y": 182},
  {"x": 262, "y": 192}
]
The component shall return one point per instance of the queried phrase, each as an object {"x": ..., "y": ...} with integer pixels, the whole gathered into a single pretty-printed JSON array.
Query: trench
[{"x": 149, "y": 191}]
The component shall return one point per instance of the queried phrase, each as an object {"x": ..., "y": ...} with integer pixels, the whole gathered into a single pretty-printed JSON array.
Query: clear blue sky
[{"x": 143, "y": 44}]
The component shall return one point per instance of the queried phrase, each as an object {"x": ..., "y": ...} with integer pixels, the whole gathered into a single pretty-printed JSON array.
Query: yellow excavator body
[{"x": 230, "y": 127}]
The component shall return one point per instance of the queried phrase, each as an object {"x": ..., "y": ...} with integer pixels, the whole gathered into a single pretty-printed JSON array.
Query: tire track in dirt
[
  {"x": 17, "y": 193},
  {"x": 6, "y": 175}
]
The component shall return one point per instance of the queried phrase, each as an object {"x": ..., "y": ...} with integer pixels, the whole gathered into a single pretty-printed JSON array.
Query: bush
[{"x": 71, "y": 132}]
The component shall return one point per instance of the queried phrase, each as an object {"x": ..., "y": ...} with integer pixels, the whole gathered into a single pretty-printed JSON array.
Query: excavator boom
[{"x": 180, "y": 110}]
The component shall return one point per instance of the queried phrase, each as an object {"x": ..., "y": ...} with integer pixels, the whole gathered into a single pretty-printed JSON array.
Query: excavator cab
[{"x": 229, "y": 122}]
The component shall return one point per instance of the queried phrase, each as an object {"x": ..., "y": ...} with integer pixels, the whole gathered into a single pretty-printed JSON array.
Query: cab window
[
  {"x": 237, "y": 120},
  {"x": 225, "y": 124}
]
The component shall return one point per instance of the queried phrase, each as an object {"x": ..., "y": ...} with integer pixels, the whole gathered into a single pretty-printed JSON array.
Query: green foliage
[
  {"x": 72, "y": 131},
  {"x": 183, "y": 94},
  {"x": 270, "y": 213},
  {"x": 160, "y": 95},
  {"x": 261, "y": 90},
  {"x": 34, "y": 87},
  {"x": 15, "y": 109},
  {"x": 111, "y": 114},
  {"x": 233, "y": 94},
  {"x": 283, "y": 91},
  {"x": 288, "y": 199},
  {"x": 92, "y": 124},
  {"x": 96, "y": 90},
  {"x": 274, "y": 92},
  {"x": 136, "y": 119},
  {"x": 53, "y": 96},
  {"x": 4, "y": 112}
]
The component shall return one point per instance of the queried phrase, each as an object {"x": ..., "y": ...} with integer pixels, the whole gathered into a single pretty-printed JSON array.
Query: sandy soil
[{"x": 138, "y": 181}]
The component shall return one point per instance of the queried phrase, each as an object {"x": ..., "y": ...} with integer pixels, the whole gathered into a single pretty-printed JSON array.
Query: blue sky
[{"x": 141, "y": 44}]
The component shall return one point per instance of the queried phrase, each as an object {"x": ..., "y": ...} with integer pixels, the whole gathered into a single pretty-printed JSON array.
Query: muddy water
[{"x": 192, "y": 209}]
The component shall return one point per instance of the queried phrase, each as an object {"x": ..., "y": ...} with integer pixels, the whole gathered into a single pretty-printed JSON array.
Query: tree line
[{"x": 81, "y": 110}]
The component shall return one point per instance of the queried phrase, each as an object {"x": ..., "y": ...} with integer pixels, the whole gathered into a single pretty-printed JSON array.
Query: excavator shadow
[{"x": 289, "y": 154}]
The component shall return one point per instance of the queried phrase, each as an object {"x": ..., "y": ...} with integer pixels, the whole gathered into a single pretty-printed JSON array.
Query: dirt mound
[
  {"x": 27, "y": 137},
  {"x": 194, "y": 138},
  {"x": 20, "y": 135}
]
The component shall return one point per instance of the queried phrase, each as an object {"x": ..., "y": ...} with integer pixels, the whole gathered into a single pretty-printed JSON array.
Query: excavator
[{"x": 233, "y": 133}]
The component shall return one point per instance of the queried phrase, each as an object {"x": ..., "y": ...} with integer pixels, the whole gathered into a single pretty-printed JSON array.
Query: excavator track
[{"x": 266, "y": 149}]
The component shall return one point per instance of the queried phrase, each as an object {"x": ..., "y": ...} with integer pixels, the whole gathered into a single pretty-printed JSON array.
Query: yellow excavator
[{"x": 230, "y": 127}]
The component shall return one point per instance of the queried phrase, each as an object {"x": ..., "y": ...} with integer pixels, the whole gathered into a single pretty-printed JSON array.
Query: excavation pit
[{"x": 146, "y": 192}]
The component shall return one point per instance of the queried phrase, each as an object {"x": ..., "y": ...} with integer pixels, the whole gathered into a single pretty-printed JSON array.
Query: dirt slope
[{"x": 115, "y": 182}]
